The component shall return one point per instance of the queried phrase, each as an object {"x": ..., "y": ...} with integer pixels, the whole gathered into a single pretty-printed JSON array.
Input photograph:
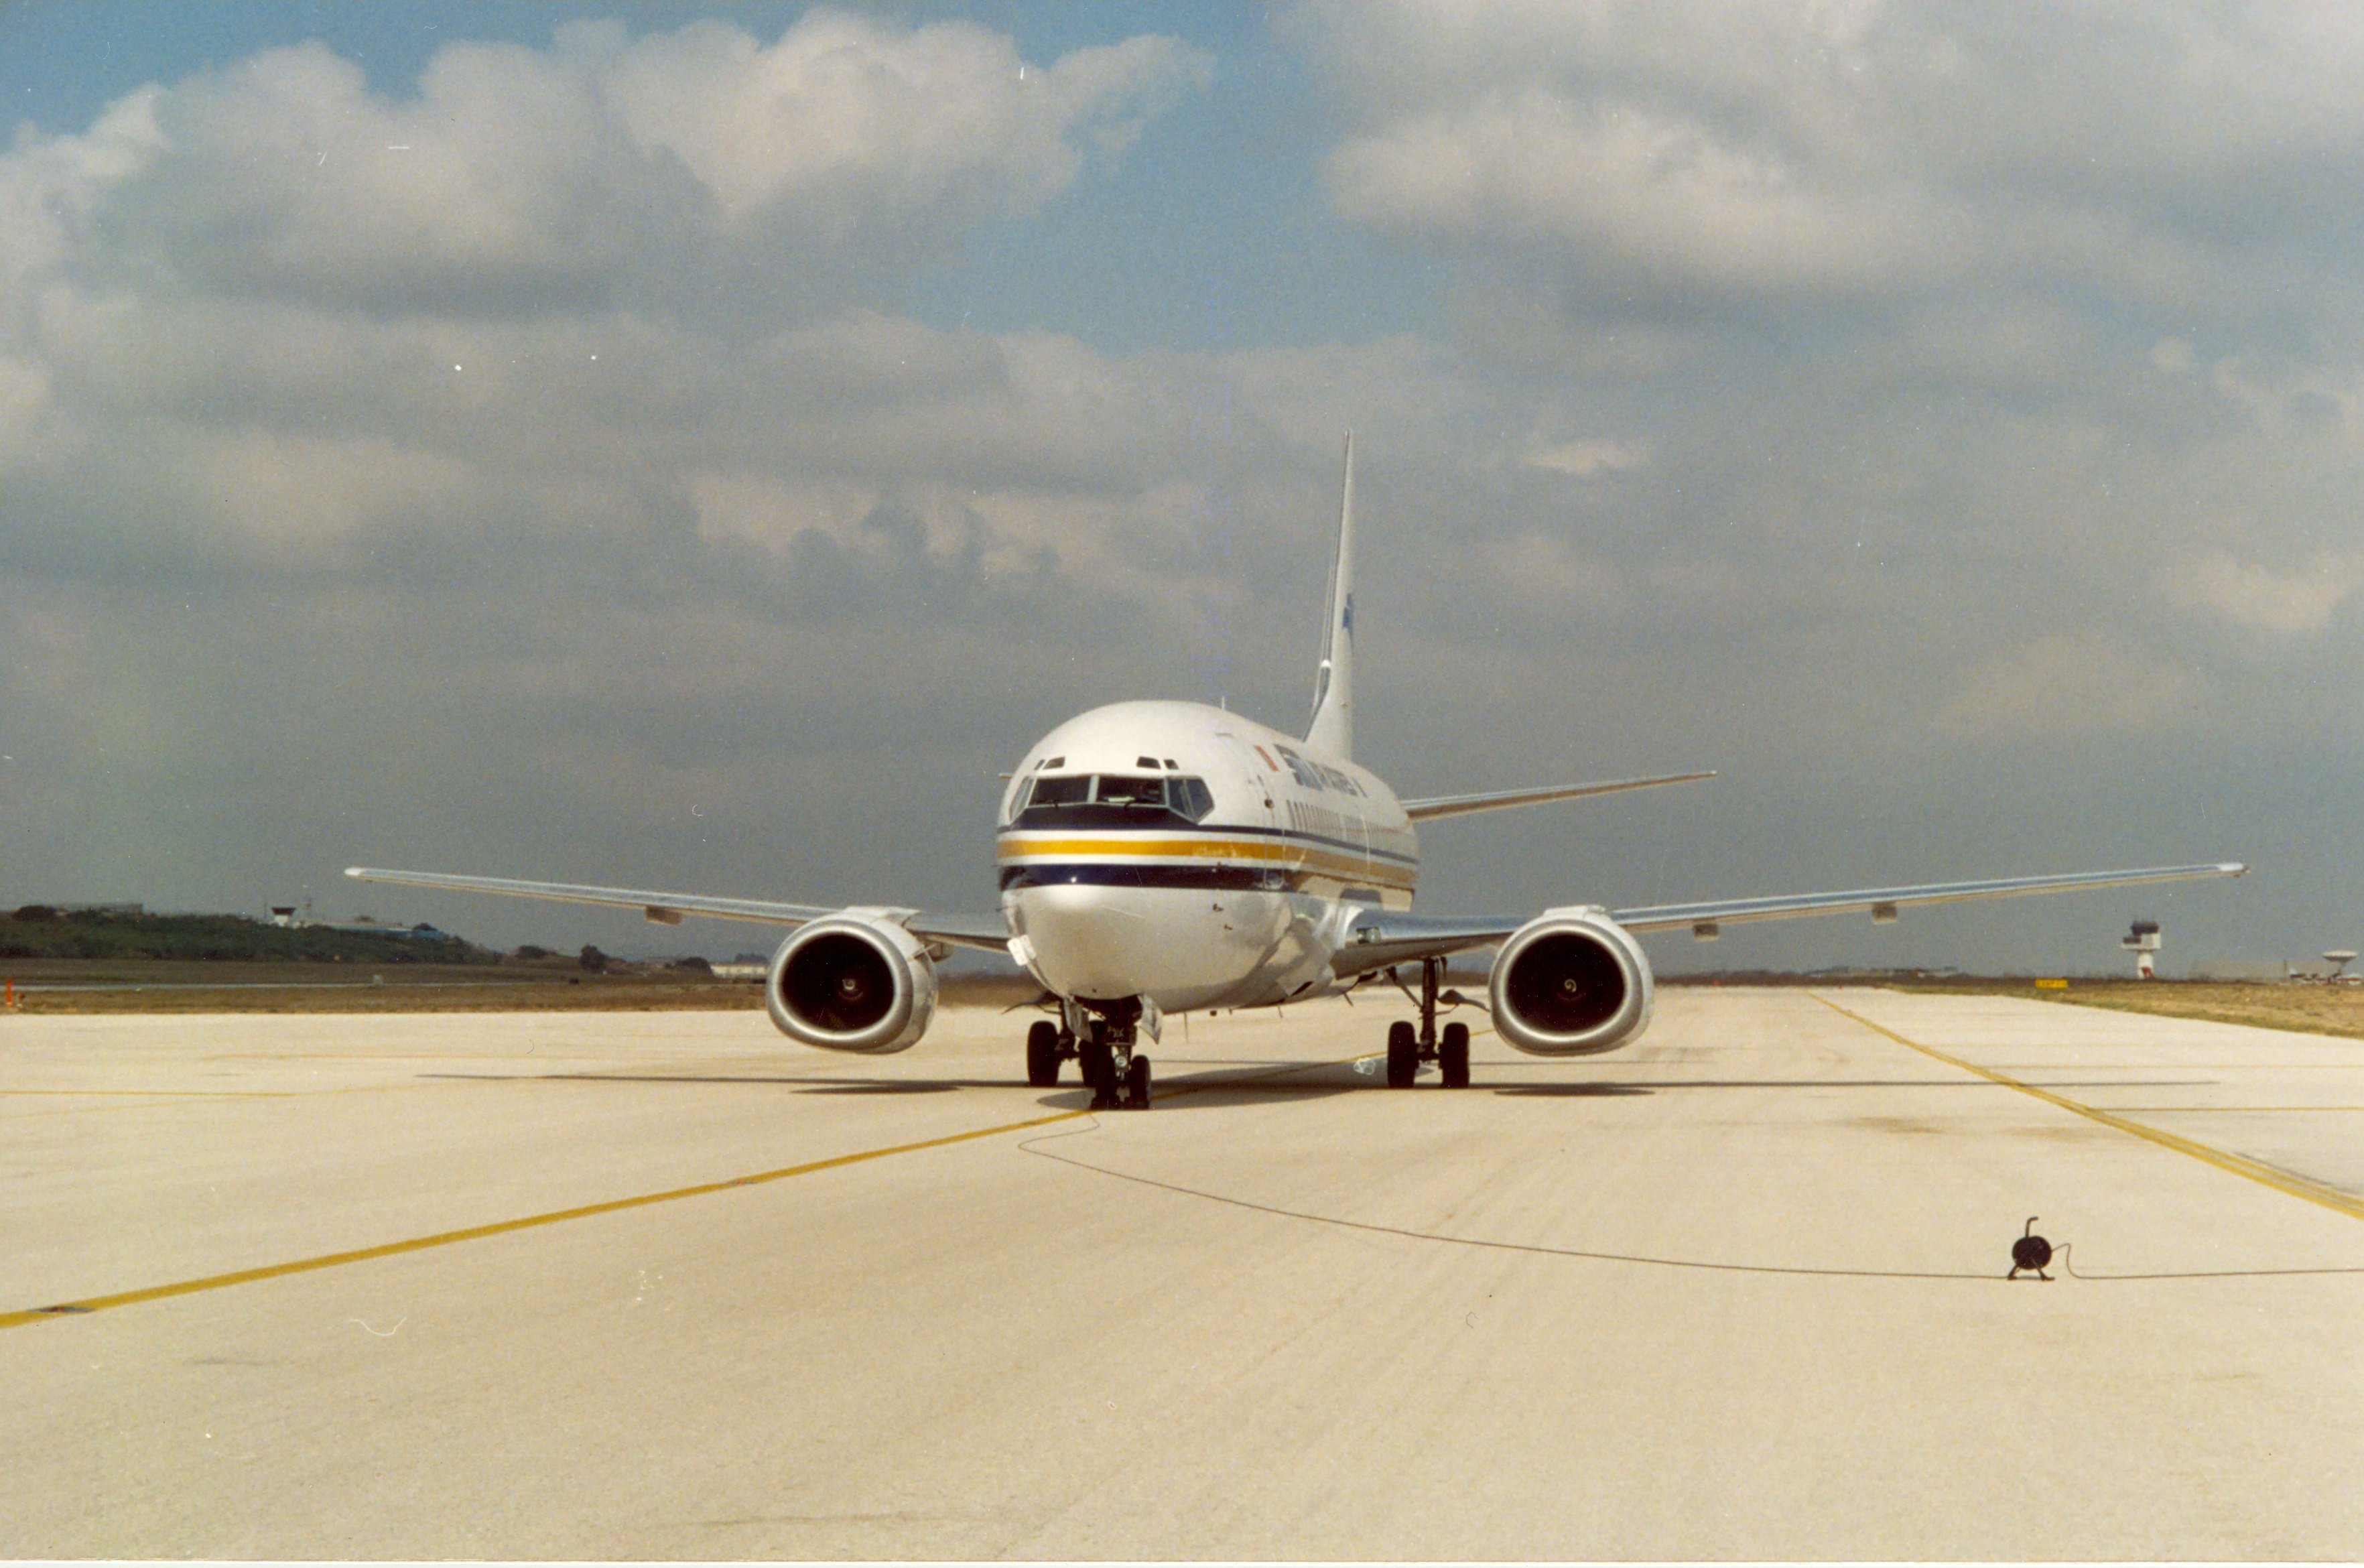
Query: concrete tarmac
[{"x": 668, "y": 1286}]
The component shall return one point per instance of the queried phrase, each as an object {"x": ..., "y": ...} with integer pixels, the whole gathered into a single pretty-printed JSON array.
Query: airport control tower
[{"x": 2143, "y": 943}]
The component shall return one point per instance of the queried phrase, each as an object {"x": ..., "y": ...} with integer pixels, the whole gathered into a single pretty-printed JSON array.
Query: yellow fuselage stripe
[
  {"x": 2240, "y": 1166},
  {"x": 1116, "y": 849}
]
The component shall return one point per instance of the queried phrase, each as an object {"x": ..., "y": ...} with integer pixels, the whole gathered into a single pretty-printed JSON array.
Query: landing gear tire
[
  {"x": 1136, "y": 1084},
  {"x": 1098, "y": 1065},
  {"x": 1403, "y": 1055},
  {"x": 1042, "y": 1054},
  {"x": 1452, "y": 1056}
]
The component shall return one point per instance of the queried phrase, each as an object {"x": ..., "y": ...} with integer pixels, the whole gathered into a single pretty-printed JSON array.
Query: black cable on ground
[
  {"x": 1033, "y": 1146},
  {"x": 2070, "y": 1268}
]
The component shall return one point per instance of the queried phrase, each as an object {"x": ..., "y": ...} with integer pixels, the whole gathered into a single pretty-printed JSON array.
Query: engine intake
[
  {"x": 1570, "y": 982},
  {"x": 853, "y": 980}
]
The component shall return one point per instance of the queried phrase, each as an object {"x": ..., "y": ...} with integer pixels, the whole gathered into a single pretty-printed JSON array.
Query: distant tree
[
  {"x": 32, "y": 913},
  {"x": 692, "y": 962},
  {"x": 593, "y": 960},
  {"x": 531, "y": 951}
]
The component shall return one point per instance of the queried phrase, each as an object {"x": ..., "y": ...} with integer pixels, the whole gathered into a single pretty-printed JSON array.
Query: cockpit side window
[{"x": 1191, "y": 798}]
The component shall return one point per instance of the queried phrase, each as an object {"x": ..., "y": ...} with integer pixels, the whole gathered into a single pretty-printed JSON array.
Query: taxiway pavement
[{"x": 661, "y": 1285}]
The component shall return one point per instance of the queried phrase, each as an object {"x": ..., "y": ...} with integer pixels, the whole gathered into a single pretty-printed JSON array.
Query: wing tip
[{"x": 358, "y": 873}]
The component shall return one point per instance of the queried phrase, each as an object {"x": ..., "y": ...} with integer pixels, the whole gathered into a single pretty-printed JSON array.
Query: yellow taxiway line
[
  {"x": 503, "y": 1228},
  {"x": 615, "y": 1206},
  {"x": 2240, "y": 1166}
]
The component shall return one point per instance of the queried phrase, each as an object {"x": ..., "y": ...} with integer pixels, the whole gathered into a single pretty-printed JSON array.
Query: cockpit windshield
[
  {"x": 1112, "y": 799},
  {"x": 1072, "y": 790},
  {"x": 1121, "y": 789}
]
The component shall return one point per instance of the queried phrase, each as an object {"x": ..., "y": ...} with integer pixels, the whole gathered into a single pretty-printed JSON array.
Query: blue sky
[{"x": 702, "y": 446}]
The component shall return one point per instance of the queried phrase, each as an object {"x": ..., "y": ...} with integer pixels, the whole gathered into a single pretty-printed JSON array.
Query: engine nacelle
[
  {"x": 853, "y": 980},
  {"x": 1570, "y": 982}
]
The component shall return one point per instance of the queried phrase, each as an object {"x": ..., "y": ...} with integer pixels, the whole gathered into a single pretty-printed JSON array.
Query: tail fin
[{"x": 1333, "y": 686}]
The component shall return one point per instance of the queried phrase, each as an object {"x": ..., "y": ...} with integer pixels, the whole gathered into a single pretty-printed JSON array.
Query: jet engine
[
  {"x": 853, "y": 980},
  {"x": 1571, "y": 982}
]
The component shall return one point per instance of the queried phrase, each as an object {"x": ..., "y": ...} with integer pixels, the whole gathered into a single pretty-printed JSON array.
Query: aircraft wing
[
  {"x": 1881, "y": 903},
  {"x": 1503, "y": 799},
  {"x": 988, "y": 931},
  {"x": 1380, "y": 938}
]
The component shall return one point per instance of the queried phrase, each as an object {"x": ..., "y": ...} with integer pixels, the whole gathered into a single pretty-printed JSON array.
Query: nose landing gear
[{"x": 1406, "y": 1049}]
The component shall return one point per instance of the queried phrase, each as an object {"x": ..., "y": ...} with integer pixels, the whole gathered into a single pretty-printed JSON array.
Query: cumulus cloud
[
  {"x": 1582, "y": 458},
  {"x": 698, "y": 167},
  {"x": 2064, "y": 687},
  {"x": 1662, "y": 197},
  {"x": 1785, "y": 151},
  {"x": 2287, "y": 603},
  {"x": 842, "y": 116},
  {"x": 269, "y": 312}
]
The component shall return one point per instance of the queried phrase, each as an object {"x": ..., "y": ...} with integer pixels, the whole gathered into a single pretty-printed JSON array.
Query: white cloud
[
  {"x": 1542, "y": 573},
  {"x": 2064, "y": 687},
  {"x": 948, "y": 116},
  {"x": 1650, "y": 193},
  {"x": 697, "y": 166},
  {"x": 1583, "y": 459},
  {"x": 1779, "y": 150},
  {"x": 2288, "y": 603}
]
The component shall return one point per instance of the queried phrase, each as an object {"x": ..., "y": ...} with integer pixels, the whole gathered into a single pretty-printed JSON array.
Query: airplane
[{"x": 1161, "y": 858}]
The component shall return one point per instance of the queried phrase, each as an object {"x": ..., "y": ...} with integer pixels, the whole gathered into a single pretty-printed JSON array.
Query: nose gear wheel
[{"x": 1118, "y": 1076}]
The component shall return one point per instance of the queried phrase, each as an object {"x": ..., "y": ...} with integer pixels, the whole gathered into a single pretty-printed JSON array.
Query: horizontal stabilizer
[
  {"x": 989, "y": 931},
  {"x": 1503, "y": 799}
]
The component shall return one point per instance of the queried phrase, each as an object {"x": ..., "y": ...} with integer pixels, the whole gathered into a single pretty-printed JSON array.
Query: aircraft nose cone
[{"x": 1091, "y": 939}]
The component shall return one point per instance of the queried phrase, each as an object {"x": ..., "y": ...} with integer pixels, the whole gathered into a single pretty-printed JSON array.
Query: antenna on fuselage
[{"x": 1332, "y": 729}]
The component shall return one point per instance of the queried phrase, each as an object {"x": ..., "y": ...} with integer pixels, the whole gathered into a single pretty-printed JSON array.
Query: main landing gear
[
  {"x": 1407, "y": 1048},
  {"x": 1116, "y": 1073},
  {"x": 1047, "y": 1045}
]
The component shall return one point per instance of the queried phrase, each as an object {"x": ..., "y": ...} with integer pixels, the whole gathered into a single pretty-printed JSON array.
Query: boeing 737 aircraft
[{"x": 1166, "y": 857}]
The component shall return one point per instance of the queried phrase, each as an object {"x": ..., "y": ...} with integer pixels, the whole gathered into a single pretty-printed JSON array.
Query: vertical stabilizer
[{"x": 1333, "y": 686}]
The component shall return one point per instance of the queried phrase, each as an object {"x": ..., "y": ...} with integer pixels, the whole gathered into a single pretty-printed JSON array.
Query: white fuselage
[{"x": 1196, "y": 859}]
